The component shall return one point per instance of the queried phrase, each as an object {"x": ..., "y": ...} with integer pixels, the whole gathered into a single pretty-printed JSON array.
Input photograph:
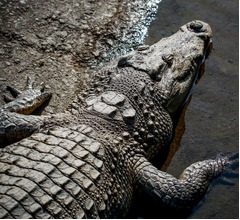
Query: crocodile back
[
  {"x": 81, "y": 163},
  {"x": 63, "y": 173}
]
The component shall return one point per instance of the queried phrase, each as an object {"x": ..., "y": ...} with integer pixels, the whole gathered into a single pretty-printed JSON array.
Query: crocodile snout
[{"x": 200, "y": 28}]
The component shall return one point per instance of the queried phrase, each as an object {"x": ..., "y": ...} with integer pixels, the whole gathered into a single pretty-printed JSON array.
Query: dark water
[{"x": 212, "y": 120}]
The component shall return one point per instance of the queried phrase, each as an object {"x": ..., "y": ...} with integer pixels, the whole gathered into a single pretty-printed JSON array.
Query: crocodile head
[{"x": 175, "y": 64}]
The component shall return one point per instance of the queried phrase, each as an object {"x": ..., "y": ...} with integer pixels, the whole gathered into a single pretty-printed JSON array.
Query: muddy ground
[{"x": 63, "y": 42}]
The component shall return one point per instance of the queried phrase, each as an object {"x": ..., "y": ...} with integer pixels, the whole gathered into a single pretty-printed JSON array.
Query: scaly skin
[
  {"x": 14, "y": 126},
  {"x": 87, "y": 161},
  {"x": 26, "y": 102}
]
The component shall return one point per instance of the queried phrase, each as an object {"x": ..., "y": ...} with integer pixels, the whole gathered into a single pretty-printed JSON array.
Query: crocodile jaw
[{"x": 178, "y": 81}]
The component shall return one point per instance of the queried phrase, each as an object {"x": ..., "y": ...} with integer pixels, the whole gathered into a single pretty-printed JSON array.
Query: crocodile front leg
[
  {"x": 15, "y": 124},
  {"x": 27, "y": 101},
  {"x": 14, "y": 127},
  {"x": 183, "y": 193}
]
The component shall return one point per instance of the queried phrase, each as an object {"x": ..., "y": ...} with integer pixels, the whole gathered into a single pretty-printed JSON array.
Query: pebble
[
  {"x": 62, "y": 21},
  {"x": 62, "y": 33},
  {"x": 17, "y": 61},
  {"x": 85, "y": 27},
  {"x": 2, "y": 51},
  {"x": 96, "y": 53},
  {"x": 23, "y": 1}
]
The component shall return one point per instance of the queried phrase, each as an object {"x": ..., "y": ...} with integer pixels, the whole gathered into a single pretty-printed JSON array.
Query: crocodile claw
[
  {"x": 7, "y": 98},
  {"x": 29, "y": 83},
  {"x": 14, "y": 92},
  {"x": 27, "y": 101}
]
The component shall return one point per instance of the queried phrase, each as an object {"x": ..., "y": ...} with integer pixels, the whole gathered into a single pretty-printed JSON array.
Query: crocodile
[{"x": 87, "y": 161}]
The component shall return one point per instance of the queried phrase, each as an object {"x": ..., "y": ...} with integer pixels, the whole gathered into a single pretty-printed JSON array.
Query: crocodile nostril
[{"x": 196, "y": 26}]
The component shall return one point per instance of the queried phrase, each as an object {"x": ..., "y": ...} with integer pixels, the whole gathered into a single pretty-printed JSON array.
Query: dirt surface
[
  {"x": 63, "y": 42},
  {"x": 212, "y": 119}
]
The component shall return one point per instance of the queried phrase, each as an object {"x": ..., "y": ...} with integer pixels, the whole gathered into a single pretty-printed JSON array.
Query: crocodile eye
[
  {"x": 168, "y": 58},
  {"x": 123, "y": 62},
  {"x": 143, "y": 47}
]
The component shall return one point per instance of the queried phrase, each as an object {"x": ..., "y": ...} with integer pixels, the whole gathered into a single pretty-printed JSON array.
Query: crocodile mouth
[{"x": 205, "y": 56}]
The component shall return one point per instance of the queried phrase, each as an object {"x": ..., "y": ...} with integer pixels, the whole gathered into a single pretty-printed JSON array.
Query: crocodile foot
[
  {"x": 230, "y": 169},
  {"x": 27, "y": 101}
]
